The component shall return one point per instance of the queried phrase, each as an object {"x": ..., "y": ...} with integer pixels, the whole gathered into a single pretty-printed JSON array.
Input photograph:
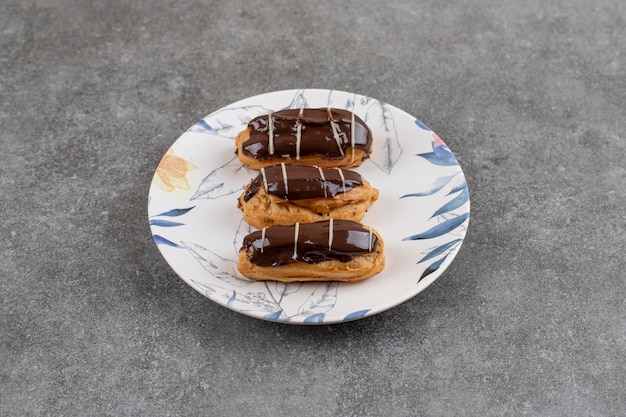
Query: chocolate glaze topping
[
  {"x": 309, "y": 242},
  {"x": 303, "y": 182},
  {"x": 292, "y": 133}
]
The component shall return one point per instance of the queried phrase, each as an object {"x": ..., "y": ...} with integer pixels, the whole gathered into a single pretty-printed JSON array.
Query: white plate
[{"x": 422, "y": 212}]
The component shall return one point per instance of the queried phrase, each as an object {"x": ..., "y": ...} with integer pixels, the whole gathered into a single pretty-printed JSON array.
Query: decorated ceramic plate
[{"x": 422, "y": 212}]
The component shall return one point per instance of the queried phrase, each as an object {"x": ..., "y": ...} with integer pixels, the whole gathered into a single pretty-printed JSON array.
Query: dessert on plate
[
  {"x": 288, "y": 194},
  {"x": 329, "y": 250},
  {"x": 324, "y": 137}
]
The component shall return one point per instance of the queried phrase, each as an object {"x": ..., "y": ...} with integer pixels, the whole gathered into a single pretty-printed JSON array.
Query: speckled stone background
[{"x": 530, "y": 319}]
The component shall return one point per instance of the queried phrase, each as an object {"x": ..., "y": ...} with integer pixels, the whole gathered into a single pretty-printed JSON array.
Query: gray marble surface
[{"x": 530, "y": 319}]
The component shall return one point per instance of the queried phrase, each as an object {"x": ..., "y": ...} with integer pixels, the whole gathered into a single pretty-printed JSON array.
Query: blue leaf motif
[
  {"x": 440, "y": 158},
  {"x": 298, "y": 101},
  {"x": 164, "y": 223},
  {"x": 279, "y": 290},
  {"x": 356, "y": 315},
  {"x": 432, "y": 268},
  {"x": 229, "y": 121},
  {"x": 224, "y": 180},
  {"x": 242, "y": 231},
  {"x": 439, "y": 250},
  {"x": 202, "y": 125},
  {"x": 160, "y": 240},
  {"x": 387, "y": 149},
  {"x": 218, "y": 266},
  {"x": 339, "y": 100},
  {"x": 174, "y": 212},
  {"x": 252, "y": 302},
  {"x": 459, "y": 187},
  {"x": 422, "y": 125},
  {"x": 434, "y": 187},
  {"x": 274, "y": 315},
  {"x": 455, "y": 203},
  {"x": 440, "y": 229},
  {"x": 208, "y": 289},
  {"x": 232, "y": 299},
  {"x": 442, "y": 151},
  {"x": 315, "y": 318},
  {"x": 322, "y": 299},
  {"x": 276, "y": 289}
]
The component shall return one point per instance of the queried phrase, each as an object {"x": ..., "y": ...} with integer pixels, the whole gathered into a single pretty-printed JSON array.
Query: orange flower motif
[{"x": 171, "y": 172}]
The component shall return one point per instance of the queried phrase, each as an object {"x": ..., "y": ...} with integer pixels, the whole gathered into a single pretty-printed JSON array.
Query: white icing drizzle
[
  {"x": 270, "y": 132},
  {"x": 263, "y": 238},
  {"x": 299, "y": 133},
  {"x": 321, "y": 173},
  {"x": 352, "y": 137},
  {"x": 264, "y": 179},
  {"x": 330, "y": 234},
  {"x": 295, "y": 241},
  {"x": 323, "y": 181},
  {"x": 284, "y": 169},
  {"x": 334, "y": 128},
  {"x": 369, "y": 246},
  {"x": 343, "y": 180}
]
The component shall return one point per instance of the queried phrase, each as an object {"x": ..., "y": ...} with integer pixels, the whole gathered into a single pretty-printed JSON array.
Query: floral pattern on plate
[{"x": 422, "y": 212}]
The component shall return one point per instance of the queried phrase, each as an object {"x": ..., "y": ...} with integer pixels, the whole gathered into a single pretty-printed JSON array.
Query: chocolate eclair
[
  {"x": 288, "y": 194},
  {"x": 325, "y": 137},
  {"x": 330, "y": 250}
]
